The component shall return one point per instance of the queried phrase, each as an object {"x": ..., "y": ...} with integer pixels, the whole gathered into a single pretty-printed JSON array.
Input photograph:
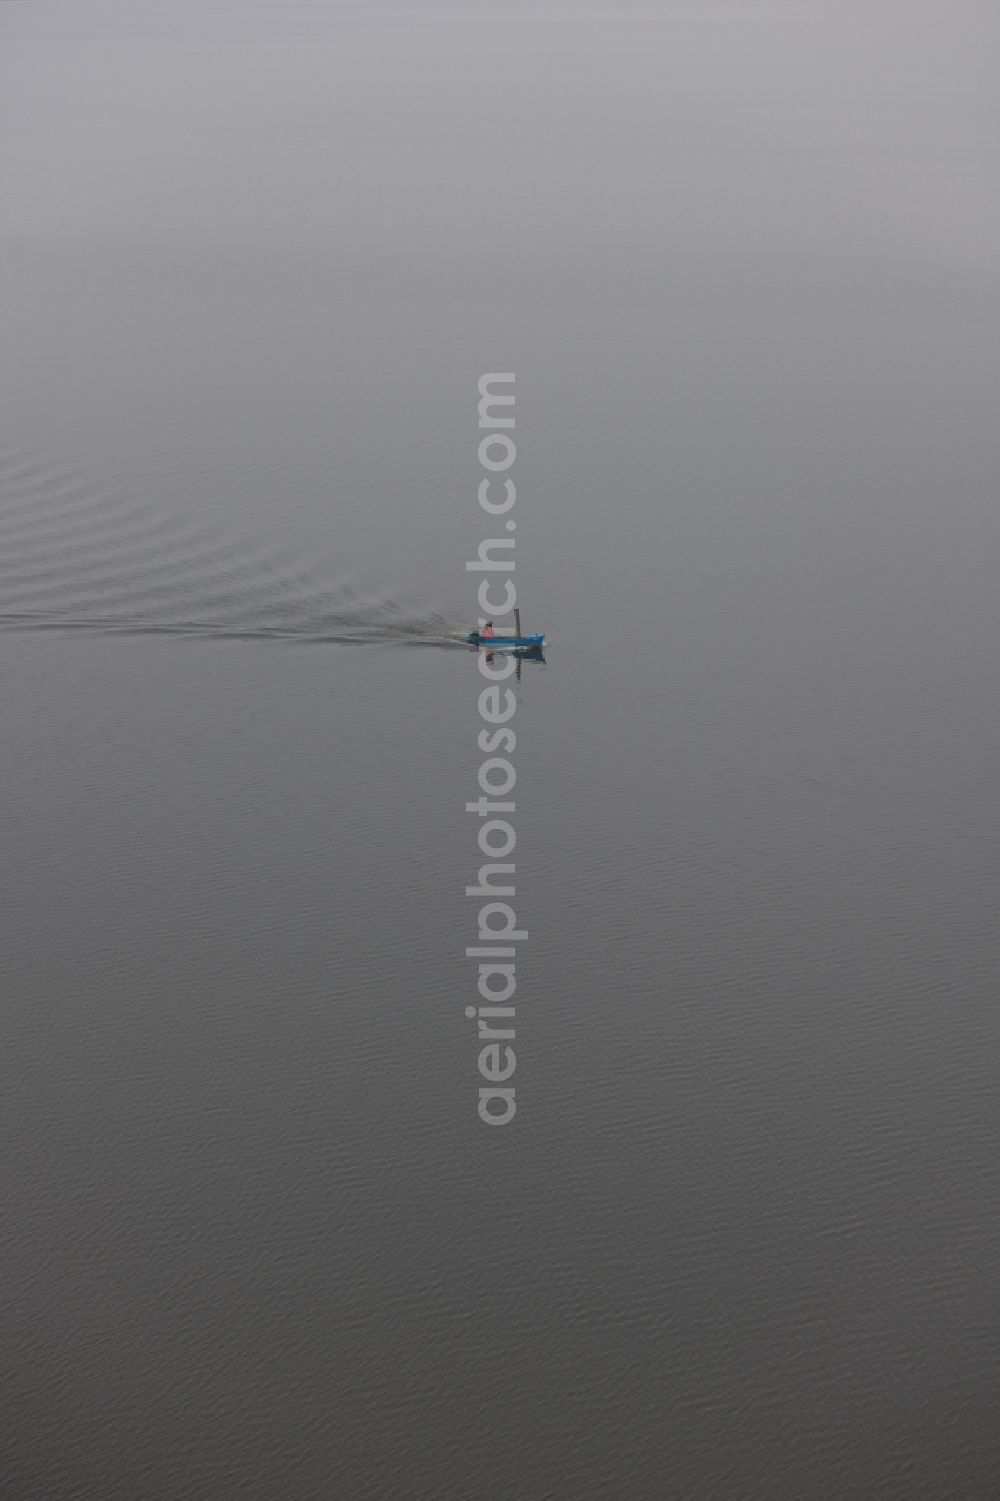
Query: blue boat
[{"x": 475, "y": 639}]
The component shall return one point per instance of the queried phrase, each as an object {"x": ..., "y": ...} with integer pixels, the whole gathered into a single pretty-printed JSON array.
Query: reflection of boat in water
[
  {"x": 522, "y": 653},
  {"x": 531, "y": 643}
]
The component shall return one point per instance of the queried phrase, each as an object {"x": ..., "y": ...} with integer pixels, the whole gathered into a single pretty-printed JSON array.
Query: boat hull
[{"x": 475, "y": 639}]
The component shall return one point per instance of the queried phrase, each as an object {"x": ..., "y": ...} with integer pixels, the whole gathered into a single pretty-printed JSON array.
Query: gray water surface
[{"x": 740, "y": 1239}]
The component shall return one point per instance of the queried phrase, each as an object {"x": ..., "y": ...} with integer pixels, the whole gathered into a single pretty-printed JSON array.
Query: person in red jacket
[{"x": 487, "y": 629}]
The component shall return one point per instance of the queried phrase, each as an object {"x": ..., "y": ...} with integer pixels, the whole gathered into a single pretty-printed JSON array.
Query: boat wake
[
  {"x": 78, "y": 559},
  {"x": 339, "y": 630}
]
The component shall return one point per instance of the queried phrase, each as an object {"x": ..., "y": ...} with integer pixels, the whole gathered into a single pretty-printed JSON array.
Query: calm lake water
[{"x": 739, "y": 1242}]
